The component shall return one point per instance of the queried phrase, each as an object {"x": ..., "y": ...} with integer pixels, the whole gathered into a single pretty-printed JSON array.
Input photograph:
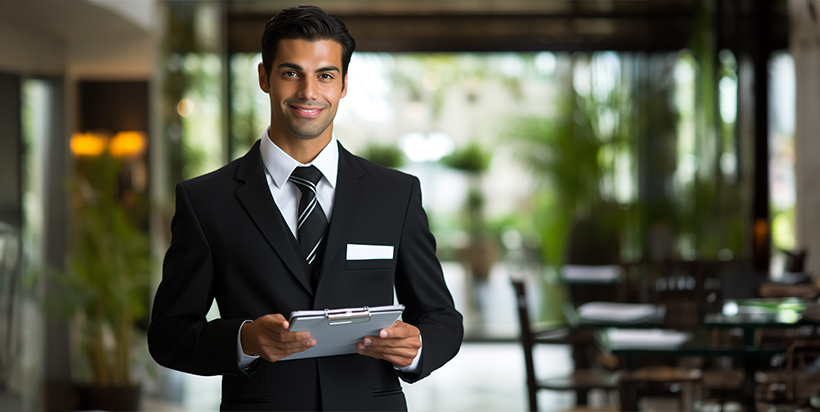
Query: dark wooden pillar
[{"x": 760, "y": 52}]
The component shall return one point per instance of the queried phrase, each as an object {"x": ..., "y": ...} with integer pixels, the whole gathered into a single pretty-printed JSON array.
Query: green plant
[
  {"x": 386, "y": 155},
  {"x": 105, "y": 288},
  {"x": 471, "y": 159},
  {"x": 480, "y": 253},
  {"x": 562, "y": 152}
]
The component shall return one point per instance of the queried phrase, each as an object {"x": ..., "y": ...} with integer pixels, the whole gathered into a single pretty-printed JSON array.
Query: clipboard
[{"x": 338, "y": 330}]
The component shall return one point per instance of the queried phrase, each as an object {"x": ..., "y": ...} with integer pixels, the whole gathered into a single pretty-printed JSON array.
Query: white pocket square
[{"x": 369, "y": 252}]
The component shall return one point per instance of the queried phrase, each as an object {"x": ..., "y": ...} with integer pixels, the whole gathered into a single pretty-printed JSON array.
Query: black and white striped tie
[{"x": 312, "y": 221}]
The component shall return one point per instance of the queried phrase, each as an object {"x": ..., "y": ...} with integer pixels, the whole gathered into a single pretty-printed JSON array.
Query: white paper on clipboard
[{"x": 338, "y": 330}]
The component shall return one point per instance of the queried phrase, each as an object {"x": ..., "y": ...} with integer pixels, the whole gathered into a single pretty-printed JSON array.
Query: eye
[
  {"x": 290, "y": 74},
  {"x": 326, "y": 76}
]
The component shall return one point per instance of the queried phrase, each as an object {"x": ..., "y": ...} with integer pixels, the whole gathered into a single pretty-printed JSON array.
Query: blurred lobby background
[{"x": 544, "y": 133}]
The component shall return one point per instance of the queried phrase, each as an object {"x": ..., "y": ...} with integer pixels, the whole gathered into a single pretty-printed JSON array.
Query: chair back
[
  {"x": 800, "y": 388},
  {"x": 523, "y": 311},
  {"x": 527, "y": 339}
]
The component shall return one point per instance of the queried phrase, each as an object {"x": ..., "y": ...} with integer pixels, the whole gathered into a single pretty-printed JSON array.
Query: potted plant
[
  {"x": 105, "y": 288},
  {"x": 480, "y": 253}
]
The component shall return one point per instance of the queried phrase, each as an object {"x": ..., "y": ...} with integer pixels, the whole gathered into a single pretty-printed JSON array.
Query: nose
[{"x": 307, "y": 89}]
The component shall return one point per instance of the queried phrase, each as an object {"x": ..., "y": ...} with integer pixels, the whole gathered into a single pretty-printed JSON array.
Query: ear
[
  {"x": 263, "y": 78},
  {"x": 344, "y": 86}
]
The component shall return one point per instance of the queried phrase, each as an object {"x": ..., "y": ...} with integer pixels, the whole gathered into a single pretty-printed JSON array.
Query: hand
[
  {"x": 269, "y": 338},
  {"x": 398, "y": 344}
]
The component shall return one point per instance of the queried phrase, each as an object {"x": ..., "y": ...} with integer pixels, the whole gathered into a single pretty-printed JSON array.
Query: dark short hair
[{"x": 306, "y": 23}]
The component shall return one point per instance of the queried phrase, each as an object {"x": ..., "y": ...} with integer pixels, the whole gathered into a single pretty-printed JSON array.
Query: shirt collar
[{"x": 280, "y": 165}]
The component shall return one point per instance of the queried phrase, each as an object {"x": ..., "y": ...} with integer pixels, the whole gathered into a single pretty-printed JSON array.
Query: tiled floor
[{"x": 488, "y": 377}]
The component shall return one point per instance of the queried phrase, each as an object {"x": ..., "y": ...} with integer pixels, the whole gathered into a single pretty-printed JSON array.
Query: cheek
[
  {"x": 333, "y": 97},
  {"x": 281, "y": 92}
]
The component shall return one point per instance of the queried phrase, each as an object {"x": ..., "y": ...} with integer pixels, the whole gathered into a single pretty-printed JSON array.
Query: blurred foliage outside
[
  {"x": 386, "y": 155},
  {"x": 202, "y": 142},
  {"x": 567, "y": 152},
  {"x": 250, "y": 107},
  {"x": 628, "y": 136}
]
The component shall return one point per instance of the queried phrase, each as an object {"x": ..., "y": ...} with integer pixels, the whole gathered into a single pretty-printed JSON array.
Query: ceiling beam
[{"x": 561, "y": 25}]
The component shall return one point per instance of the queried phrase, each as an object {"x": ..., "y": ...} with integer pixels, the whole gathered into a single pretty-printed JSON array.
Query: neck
[{"x": 302, "y": 150}]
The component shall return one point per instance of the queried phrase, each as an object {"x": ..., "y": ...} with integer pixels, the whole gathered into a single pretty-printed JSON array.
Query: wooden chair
[
  {"x": 792, "y": 387},
  {"x": 724, "y": 385},
  {"x": 801, "y": 384},
  {"x": 581, "y": 381},
  {"x": 651, "y": 380}
]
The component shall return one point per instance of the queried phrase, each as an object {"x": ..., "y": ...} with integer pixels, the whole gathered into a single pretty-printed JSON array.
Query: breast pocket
[{"x": 362, "y": 256}]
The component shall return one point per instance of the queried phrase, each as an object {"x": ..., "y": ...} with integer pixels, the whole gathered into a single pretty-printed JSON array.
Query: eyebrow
[{"x": 295, "y": 66}]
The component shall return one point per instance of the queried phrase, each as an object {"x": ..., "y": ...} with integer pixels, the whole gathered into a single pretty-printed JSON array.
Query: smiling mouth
[{"x": 308, "y": 112}]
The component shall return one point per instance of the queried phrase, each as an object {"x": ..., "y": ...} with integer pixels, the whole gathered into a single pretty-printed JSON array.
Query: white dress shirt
[{"x": 278, "y": 167}]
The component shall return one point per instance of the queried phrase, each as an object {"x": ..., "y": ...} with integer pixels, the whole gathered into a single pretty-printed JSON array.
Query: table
[
  {"x": 701, "y": 343},
  {"x": 585, "y": 328},
  {"x": 575, "y": 320},
  {"x": 747, "y": 315},
  {"x": 751, "y": 314}
]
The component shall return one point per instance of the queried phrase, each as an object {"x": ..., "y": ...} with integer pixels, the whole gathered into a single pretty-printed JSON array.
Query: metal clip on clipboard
[{"x": 344, "y": 317}]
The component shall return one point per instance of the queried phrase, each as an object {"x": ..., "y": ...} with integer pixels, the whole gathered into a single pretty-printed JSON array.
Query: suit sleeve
[
  {"x": 179, "y": 336},
  {"x": 420, "y": 286}
]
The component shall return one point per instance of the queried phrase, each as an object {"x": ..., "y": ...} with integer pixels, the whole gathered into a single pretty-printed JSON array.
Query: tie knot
[{"x": 306, "y": 176}]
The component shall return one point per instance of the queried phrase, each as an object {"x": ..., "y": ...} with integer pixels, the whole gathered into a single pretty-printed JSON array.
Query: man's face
[{"x": 304, "y": 86}]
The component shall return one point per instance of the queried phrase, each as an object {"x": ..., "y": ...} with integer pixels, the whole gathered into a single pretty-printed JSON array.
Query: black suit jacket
[{"x": 230, "y": 243}]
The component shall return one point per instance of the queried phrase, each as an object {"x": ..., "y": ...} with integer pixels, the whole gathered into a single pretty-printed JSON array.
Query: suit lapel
[
  {"x": 255, "y": 197},
  {"x": 350, "y": 191}
]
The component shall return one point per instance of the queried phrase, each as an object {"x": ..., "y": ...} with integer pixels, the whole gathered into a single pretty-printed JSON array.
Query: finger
[
  {"x": 399, "y": 330},
  {"x": 373, "y": 352},
  {"x": 278, "y": 350},
  {"x": 289, "y": 342},
  {"x": 268, "y": 336},
  {"x": 276, "y": 327},
  {"x": 375, "y": 341},
  {"x": 401, "y": 336},
  {"x": 398, "y": 357},
  {"x": 275, "y": 322},
  {"x": 291, "y": 336},
  {"x": 390, "y": 345}
]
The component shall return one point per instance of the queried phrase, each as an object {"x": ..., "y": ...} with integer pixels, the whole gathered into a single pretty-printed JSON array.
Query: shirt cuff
[
  {"x": 243, "y": 360},
  {"x": 412, "y": 368}
]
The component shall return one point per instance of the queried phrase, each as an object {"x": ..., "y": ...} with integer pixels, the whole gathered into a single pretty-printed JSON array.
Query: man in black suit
[{"x": 236, "y": 238}]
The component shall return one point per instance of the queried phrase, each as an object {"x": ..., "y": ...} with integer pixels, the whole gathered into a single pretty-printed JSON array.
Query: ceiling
[
  {"x": 557, "y": 25},
  {"x": 446, "y": 25},
  {"x": 77, "y": 20}
]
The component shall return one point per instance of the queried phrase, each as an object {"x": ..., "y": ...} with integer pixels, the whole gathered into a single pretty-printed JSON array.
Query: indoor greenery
[
  {"x": 562, "y": 152},
  {"x": 474, "y": 161},
  {"x": 105, "y": 289}
]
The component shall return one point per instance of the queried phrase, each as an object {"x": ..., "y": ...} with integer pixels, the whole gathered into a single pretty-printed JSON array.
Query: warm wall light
[
  {"x": 127, "y": 144},
  {"x": 87, "y": 144}
]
